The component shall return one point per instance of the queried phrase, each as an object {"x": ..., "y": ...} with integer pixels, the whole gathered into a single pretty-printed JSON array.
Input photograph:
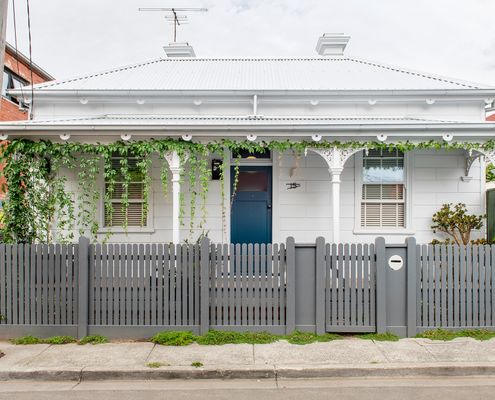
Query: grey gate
[{"x": 350, "y": 288}]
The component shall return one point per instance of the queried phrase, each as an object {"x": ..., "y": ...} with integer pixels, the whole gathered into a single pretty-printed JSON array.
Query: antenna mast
[{"x": 176, "y": 19}]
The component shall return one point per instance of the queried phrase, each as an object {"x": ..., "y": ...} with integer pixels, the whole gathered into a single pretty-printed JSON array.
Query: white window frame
[
  {"x": 358, "y": 190},
  {"x": 148, "y": 228}
]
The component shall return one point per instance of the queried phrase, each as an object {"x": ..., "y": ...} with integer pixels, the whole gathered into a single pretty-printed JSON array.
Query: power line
[
  {"x": 30, "y": 59},
  {"x": 17, "y": 48}
]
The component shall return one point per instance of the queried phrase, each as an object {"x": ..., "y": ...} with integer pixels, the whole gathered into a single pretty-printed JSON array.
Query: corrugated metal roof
[
  {"x": 146, "y": 120},
  {"x": 314, "y": 74}
]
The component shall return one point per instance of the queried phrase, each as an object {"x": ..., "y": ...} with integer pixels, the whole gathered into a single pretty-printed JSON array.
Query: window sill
[
  {"x": 378, "y": 231},
  {"x": 129, "y": 230}
]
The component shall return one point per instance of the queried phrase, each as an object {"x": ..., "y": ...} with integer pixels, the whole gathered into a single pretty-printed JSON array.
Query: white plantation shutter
[
  {"x": 383, "y": 192},
  {"x": 136, "y": 213}
]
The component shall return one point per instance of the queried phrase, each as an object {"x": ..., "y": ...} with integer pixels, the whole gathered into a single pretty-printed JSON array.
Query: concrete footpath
[{"x": 341, "y": 358}]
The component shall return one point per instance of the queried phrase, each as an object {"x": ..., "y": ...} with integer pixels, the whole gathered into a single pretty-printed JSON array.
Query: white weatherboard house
[{"x": 342, "y": 195}]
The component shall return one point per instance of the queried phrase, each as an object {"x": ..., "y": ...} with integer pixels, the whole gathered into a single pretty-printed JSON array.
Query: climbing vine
[{"x": 42, "y": 207}]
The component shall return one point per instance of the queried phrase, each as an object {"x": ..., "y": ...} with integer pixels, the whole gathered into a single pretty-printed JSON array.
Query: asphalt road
[{"x": 306, "y": 389}]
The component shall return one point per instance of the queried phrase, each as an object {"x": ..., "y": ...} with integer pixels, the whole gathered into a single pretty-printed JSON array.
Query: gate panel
[{"x": 350, "y": 294}]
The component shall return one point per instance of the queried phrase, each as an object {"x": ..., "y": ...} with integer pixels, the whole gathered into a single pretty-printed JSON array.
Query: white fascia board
[
  {"x": 419, "y": 130},
  {"x": 101, "y": 94}
]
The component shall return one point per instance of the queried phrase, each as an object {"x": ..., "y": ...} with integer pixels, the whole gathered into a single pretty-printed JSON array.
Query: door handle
[{"x": 269, "y": 206}]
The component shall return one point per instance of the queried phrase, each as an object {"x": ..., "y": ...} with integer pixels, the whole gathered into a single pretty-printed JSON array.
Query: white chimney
[
  {"x": 332, "y": 44},
  {"x": 179, "y": 50}
]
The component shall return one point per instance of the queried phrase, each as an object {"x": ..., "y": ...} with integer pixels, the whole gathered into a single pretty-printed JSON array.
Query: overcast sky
[{"x": 454, "y": 38}]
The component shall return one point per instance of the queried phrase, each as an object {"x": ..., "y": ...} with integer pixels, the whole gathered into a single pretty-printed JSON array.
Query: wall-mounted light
[
  {"x": 316, "y": 137},
  {"x": 197, "y": 102},
  {"x": 84, "y": 100},
  {"x": 4, "y": 136},
  {"x": 140, "y": 101},
  {"x": 372, "y": 102},
  {"x": 65, "y": 136},
  {"x": 251, "y": 137},
  {"x": 430, "y": 102},
  {"x": 126, "y": 137},
  {"x": 216, "y": 169},
  {"x": 448, "y": 137},
  {"x": 381, "y": 137},
  {"x": 187, "y": 137},
  {"x": 314, "y": 102}
]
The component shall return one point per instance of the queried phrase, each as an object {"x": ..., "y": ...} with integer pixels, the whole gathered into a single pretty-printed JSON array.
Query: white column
[
  {"x": 335, "y": 175},
  {"x": 174, "y": 163}
]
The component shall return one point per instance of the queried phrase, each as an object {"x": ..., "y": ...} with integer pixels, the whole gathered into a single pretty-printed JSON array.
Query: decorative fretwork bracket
[
  {"x": 336, "y": 157},
  {"x": 473, "y": 155}
]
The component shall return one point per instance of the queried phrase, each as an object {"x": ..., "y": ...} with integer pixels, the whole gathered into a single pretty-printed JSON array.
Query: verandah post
[
  {"x": 381, "y": 286},
  {"x": 411, "y": 264},
  {"x": 83, "y": 288},
  {"x": 290, "y": 321},
  {"x": 204, "y": 299}
]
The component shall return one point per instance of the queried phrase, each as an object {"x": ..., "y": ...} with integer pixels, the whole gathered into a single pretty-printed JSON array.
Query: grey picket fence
[
  {"x": 136, "y": 290},
  {"x": 455, "y": 286}
]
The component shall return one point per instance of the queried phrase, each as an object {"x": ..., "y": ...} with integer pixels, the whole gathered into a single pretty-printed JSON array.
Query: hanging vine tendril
[{"x": 40, "y": 208}]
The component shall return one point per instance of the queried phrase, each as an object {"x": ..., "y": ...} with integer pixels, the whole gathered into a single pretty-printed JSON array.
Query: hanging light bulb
[
  {"x": 126, "y": 137},
  {"x": 4, "y": 136},
  {"x": 448, "y": 137},
  {"x": 381, "y": 137},
  {"x": 65, "y": 136},
  {"x": 251, "y": 137},
  {"x": 187, "y": 137},
  {"x": 316, "y": 137}
]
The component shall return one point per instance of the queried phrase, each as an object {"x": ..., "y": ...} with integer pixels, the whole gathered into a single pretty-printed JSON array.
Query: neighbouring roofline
[{"x": 25, "y": 60}]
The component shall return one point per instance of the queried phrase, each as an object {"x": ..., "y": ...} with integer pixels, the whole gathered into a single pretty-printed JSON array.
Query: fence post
[
  {"x": 412, "y": 263},
  {"x": 204, "y": 263},
  {"x": 83, "y": 288},
  {"x": 381, "y": 286},
  {"x": 290, "y": 321},
  {"x": 320, "y": 286}
]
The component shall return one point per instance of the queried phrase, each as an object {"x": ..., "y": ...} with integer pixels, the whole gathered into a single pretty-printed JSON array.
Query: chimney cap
[
  {"x": 332, "y": 44},
  {"x": 179, "y": 50}
]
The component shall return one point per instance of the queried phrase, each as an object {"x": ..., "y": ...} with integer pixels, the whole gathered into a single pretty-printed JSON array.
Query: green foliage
[
  {"x": 26, "y": 340},
  {"x": 306, "y": 337},
  {"x": 59, "y": 340},
  {"x": 456, "y": 222},
  {"x": 93, "y": 339},
  {"x": 380, "y": 337},
  {"x": 173, "y": 338},
  {"x": 51, "y": 340},
  {"x": 196, "y": 364},
  {"x": 156, "y": 364},
  {"x": 38, "y": 203},
  {"x": 445, "y": 335},
  {"x": 490, "y": 173},
  {"x": 230, "y": 337}
]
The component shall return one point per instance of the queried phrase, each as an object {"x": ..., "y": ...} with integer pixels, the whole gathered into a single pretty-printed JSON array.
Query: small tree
[{"x": 456, "y": 222}]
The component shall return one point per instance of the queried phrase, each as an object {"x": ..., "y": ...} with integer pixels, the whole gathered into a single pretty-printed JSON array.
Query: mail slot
[{"x": 395, "y": 262}]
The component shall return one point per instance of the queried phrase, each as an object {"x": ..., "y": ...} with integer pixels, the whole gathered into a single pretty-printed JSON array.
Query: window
[
  {"x": 383, "y": 190},
  {"x": 136, "y": 214},
  {"x": 11, "y": 81}
]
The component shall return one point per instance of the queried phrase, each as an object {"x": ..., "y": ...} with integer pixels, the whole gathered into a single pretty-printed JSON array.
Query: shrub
[
  {"x": 93, "y": 339},
  {"x": 173, "y": 338},
  {"x": 456, "y": 222},
  {"x": 155, "y": 364},
  {"x": 445, "y": 335},
  {"x": 196, "y": 364}
]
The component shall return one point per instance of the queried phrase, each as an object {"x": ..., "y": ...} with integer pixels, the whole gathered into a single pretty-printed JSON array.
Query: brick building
[{"x": 17, "y": 73}]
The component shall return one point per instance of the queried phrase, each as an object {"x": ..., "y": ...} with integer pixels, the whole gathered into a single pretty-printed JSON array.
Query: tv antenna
[{"x": 176, "y": 19}]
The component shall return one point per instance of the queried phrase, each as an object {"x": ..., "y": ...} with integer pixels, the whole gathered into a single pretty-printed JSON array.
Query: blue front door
[{"x": 251, "y": 214}]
